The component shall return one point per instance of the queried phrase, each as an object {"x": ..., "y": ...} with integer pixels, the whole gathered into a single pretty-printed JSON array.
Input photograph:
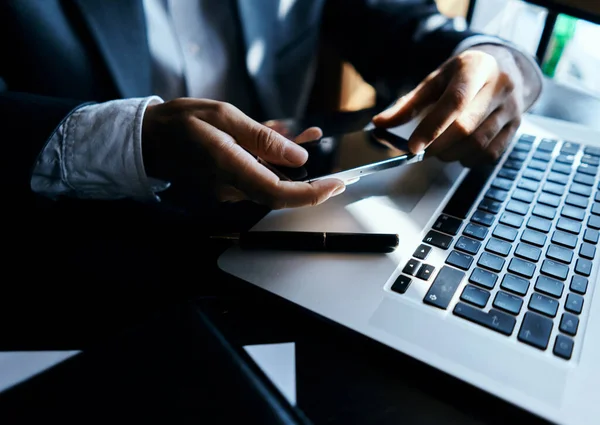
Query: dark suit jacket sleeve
[
  {"x": 390, "y": 38},
  {"x": 26, "y": 123}
]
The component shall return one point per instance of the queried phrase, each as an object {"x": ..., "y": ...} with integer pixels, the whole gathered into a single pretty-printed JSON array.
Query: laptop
[{"x": 495, "y": 277}]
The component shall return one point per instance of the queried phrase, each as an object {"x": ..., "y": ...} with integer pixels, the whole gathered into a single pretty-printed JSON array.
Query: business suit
[{"x": 61, "y": 54}]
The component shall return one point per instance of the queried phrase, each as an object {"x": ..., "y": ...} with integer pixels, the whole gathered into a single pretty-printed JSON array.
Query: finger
[
  {"x": 468, "y": 79},
  {"x": 471, "y": 148},
  {"x": 413, "y": 103},
  {"x": 245, "y": 173},
  {"x": 484, "y": 103},
  {"x": 498, "y": 146},
  {"x": 253, "y": 136},
  {"x": 308, "y": 135}
]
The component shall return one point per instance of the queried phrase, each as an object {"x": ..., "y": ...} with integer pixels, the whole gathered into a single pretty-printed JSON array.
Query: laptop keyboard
[{"x": 525, "y": 250}]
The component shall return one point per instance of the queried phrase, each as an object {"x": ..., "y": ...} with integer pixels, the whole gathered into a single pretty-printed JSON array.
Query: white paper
[{"x": 278, "y": 362}]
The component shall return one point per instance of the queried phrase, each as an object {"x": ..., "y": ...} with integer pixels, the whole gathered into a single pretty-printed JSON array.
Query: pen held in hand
[{"x": 315, "y": 241}]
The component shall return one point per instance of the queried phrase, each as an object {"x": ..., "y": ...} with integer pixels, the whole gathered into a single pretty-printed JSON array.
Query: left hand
[{"x": 476, "y": 101}]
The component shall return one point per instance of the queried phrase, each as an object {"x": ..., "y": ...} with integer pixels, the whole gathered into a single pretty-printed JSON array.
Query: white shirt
[{"x": 97, "y": 151}]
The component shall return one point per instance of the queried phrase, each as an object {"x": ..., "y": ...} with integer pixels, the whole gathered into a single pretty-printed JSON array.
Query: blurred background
[{"x": 567, "y": 48}]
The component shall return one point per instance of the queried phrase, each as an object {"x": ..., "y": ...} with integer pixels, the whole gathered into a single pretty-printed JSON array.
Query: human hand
[
  {"x": 476, "y": 100},
  {"x": 216, "y": 144}
]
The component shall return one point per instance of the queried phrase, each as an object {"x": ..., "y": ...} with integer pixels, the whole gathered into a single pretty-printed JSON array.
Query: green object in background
[{"x": 563, "y": 32}]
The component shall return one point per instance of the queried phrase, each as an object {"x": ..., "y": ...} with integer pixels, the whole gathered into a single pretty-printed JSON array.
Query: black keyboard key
[
  {"x": 443, "y": 288},
  {"x": 534, "y": 164},
  {"x": 583, "y": 267},
  {"x": 539, "y": 224},
  {"x": 580, "y": 189},
  {"x": 565, "y": 239},
  {"x": 438, "y": 239},
  {"x": 590, "y": 160},
  {"x": 401, "y": 284},
  {"x": 592, "y": 150},
  {"x": 515, "y": 284},
  {"x": 449, "y": 225},
  {"x": 498, "y": 247},
  {"x": 553, "y": 188},
  {"x": 568, "y": 225},
  {"x": 573, "y": 212},
  {"x": 584, "y": 179},
  {"x": 558, "y": 253},
  {"x": 494, "y": 320},
  {"x": 475, "y": 231},
  {"x": 544, "y": 211},
  {"x": 483, "y": 278},
  {"x": 594, "y": 222},
  {"x": 422, "y": 252},
  {"x": 507, "y": 173},
  {"x": 523, "y": 195},
  {"x": 511, "y": 219},
  {"x": 569, "y": 324},
  {"x": 535, "y": 330},
  {"x": 531, "y": 174},
  {"x": 543, "y": 304},
  {"x": 527, "y": 139},
  {"x": 490, "y": 206},
  {"x": 547, "y": 285},
  {"x": 522, "y": 147},
  {"x": 565, "y": 159},
  {"x": 528, "y": 185},
  {"x": 482, "y": 217},
  {"x": 521, "y": 268},
  {"x": 579, "y": 284},
  {"x": 561, "y": 168},
  {"x": 460, "y": 260},
  {"x": 468, "y": 245},
  {"x": 576, "y": 200},
  {"x": 474, "y": 295},
  {"x": 595, "y": 208},
  {"x": 496, "y": 194},
  {"x": 411, "y": 267},
  {"x": 517, "y": 155},
  {"x": 563, "y": 347},
  {"x": 508, "y": 302},
  {"x": 587, "y": 251},
  {"x": 528, "y": 252},
  {"x": 491, "y": 262},
  {"x": 513, "y": 165},
  {"x": 534, "y": 238},
  {"x": 502, "y": 184},
  {"x": 517, "y": 207},
  {"x": 590, "y": 170},
  {"x": 574, "y": 303},
  {"x": 542, "y": 156},
  {"x": 462, "y": 200},
  {"x": 425, "y": 272},
  {"x": 554, "y": 269},
  {"x": 570, "y": 148},
  {"x": 549, "y": 199},
  {"x": 591, "y": 236},
  {"x": 504, "y": 232},
  {"x": 560, "y": 179},
  {"x": 547, "y": 145}
]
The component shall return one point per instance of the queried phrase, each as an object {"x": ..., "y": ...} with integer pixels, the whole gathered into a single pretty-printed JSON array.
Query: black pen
[{"x": 315, "y": 241}]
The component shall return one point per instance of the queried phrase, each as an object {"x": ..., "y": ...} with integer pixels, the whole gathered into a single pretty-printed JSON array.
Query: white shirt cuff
[
  {"x": 97, "y": 154},
  {"x": 532, "y": 74}
]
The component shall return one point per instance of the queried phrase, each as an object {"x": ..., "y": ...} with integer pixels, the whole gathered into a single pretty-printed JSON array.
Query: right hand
[{"x": 213, "y": 142}]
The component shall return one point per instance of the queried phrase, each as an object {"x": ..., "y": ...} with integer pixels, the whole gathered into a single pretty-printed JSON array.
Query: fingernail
[
  {"x": 338, "y": 190},
  {"x": 417, "y": 147},
  {"x": 295, "y": 154}
]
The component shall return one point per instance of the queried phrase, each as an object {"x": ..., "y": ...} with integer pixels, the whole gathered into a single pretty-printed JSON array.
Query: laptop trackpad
[{"x": 387, "y": 201}]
